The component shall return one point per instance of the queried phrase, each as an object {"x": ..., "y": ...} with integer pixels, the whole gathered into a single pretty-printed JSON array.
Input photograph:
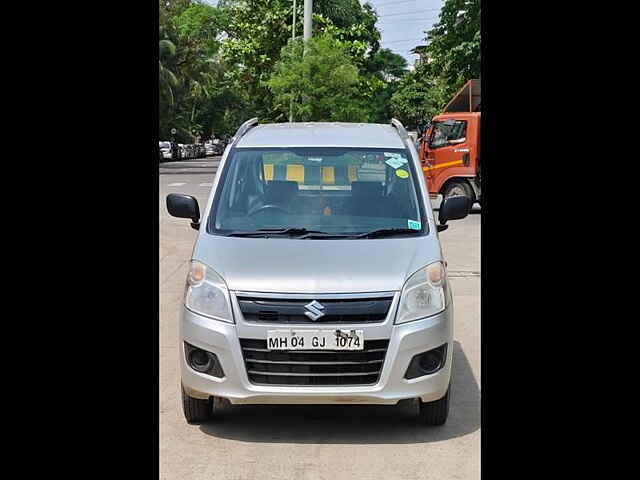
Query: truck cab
[{"x": 450, "y": 147}]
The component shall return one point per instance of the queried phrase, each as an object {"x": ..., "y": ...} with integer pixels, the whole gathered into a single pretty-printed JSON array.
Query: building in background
[{"x": 421, "y": 51}]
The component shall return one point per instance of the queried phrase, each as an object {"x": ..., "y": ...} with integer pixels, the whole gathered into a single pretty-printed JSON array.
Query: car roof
[{"x": 319, "y": 134}]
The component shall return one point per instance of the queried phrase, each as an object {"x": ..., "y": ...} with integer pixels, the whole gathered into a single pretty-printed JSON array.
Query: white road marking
[
  {"x": 176, "y": 184},
  {"x": 206, "y": 184}
]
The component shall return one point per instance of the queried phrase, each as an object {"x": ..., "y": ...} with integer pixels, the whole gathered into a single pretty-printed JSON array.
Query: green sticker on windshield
[{"x": 414, "y": 225}]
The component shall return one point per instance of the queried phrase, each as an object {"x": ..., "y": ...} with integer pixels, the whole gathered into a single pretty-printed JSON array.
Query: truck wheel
[
  {"x": 458, "y": 188},
  {"x": 435, "y": 413},
  {"x": 196, "y": 410}
]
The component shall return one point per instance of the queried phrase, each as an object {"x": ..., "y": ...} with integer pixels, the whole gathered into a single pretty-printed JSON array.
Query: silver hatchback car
[{"x": 317, "y": 276}]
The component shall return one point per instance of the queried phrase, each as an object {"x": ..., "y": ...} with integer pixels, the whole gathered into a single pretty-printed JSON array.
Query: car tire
[
  {"x": 196, "y": 410},
  {"x": 435, "y": 413},
  {"x": 458, "y": 188}
]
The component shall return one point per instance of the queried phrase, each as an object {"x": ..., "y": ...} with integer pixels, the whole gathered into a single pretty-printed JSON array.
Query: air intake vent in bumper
[{"x": 313, "y": 367}]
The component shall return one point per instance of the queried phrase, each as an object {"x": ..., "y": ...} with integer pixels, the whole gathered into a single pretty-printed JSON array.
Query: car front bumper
[{"x": 405, "y": 341}]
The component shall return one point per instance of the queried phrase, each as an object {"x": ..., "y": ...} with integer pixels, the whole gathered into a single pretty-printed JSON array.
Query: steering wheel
[{"x": 265, "y": 207}]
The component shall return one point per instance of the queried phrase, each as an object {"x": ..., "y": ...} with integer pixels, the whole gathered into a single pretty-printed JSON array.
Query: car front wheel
[
  {"x": 435, "y": 413},
  {"x": 196, "y": 410}
]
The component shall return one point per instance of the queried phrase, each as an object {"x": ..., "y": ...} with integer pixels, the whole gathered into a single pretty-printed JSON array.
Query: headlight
[
  {"x": 424, "y": 294},
  {"x": 206, "y": 293}
]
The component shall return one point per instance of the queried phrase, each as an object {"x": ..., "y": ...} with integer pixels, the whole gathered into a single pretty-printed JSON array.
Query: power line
[
  {"x": 410, "y": 13},
  {"x": 393, "y": 3},
  {"x": 415, "y": 20},
  {"x": 400, "y": 41}
]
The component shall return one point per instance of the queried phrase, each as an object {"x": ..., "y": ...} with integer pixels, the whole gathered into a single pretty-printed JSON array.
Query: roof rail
[
  {"x": 397, "y": 124},
  {"x": 244, "y": 128}
]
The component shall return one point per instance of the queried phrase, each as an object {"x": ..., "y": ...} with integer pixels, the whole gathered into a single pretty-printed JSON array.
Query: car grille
[
  {"x": 336, "y": 311},
  {"x": 313, "y": 367}
]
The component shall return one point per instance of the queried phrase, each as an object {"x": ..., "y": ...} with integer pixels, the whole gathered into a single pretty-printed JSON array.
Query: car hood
[{"x": 283, "y": 265}]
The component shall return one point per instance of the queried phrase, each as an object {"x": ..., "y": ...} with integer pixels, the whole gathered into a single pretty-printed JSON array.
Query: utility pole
[
  {"x": 293, "y": 38},
  {"x": 308, "y": 8}
]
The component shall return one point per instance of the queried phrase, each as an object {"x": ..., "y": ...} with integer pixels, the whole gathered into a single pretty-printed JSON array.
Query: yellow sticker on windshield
[{"x": 402, "y": 173}]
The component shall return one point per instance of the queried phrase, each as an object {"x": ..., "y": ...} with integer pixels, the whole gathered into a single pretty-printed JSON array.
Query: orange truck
[{"x": 450, "y": 148}]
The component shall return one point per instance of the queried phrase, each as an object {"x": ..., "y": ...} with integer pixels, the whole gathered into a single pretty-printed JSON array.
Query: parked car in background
[
  {"x": 165, "y": 150},
  {"x": 220, "y": 145}
]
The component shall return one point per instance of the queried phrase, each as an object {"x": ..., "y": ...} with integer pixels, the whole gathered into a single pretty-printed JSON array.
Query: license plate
[{"x": 315, "y": 339}]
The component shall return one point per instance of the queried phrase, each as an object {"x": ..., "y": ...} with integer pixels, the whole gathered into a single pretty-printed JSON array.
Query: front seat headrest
[
  {"x": 366, "y": 189},
  {"x": 281, "y": 190}
]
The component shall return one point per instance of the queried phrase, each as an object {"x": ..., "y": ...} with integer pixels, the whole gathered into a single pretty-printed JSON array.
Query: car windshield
[
  {"x": 340, "y": 191},
  {"x": 165, "y": 145}
]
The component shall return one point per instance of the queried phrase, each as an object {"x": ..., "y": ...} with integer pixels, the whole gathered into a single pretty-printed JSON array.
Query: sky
[{"x": 402, "y": 23}]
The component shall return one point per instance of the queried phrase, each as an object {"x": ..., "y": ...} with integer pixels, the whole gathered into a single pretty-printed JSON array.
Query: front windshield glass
[
  {"x": 332, "y": 190},
  {"x": 165, "y": 145}
]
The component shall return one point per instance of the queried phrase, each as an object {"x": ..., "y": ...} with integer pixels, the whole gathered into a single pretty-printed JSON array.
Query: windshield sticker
[
  {"x": 414, "y": 225},
  {"x": 402, "y": 173},
  {"x": 396, "y": 162},
  {"x": 392, "y": 155}
]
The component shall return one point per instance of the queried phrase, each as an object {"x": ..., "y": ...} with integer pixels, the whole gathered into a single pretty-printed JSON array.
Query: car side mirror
[
  {"x": 454, "y": 208},
  {"x": 184, "y": 206}
]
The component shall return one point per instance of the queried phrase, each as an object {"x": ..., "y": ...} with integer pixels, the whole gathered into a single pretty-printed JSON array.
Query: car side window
[{"x": 444, "y": 132}]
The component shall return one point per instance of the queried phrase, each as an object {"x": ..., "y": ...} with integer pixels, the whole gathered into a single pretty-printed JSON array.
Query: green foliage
[
  {"x": 354, "y": 27},
  {"x": 190, "y": 70},
  {"x": 387, "y": 65},
  {"x": 451, "y": 58},
  {"x": 417, "y": 99},
  {"x": 453, "y": 46},
  {"x": 220, "y": 65},
  {"x": 257, "y": 30},
  {"x": 319, "y": 81}
]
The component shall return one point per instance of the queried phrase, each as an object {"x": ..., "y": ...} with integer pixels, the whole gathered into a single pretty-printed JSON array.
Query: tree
[
  {"x": 221, "y": 65},
  {"x": 352, "y": 24},
  {"x": 417, "y": 99},
  {"x": 256, "y": 32},
  {"x": 259, "y": 29},
  {"x": 453, "y": 44},
  {"x": 450, "y": 58},
  {"x": 190, "y": 72},
  {"x": 319, "y": 79},
  {"x": 388, "y": 65}
]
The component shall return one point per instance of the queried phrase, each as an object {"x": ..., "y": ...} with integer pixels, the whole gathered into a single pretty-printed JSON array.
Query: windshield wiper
[
  {"x": 265, "y": 232},
  {"x": 323, "y": 235},
  {"x": 386, "y": 232}
]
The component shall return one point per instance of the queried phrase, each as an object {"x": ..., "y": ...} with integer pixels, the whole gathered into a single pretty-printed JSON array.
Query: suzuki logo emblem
[{"x": 314, "y": 310}]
